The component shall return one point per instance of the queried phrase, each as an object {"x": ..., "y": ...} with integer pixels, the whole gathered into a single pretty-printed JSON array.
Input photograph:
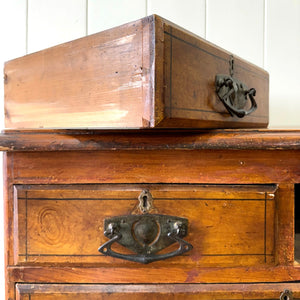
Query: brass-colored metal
[
  {"x": 234, "y": 95},
  {"x": 145, "y": 235}
]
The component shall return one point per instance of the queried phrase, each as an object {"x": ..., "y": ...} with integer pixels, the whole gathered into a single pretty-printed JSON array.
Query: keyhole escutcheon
[{"x": 145, "y": 199}]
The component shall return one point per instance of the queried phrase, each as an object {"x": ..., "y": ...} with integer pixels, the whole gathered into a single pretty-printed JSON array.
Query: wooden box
[{"x": 145, "y": 74}]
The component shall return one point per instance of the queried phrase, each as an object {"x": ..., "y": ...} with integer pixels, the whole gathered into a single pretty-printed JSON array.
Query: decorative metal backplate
[{"x": 145, "y": 235}]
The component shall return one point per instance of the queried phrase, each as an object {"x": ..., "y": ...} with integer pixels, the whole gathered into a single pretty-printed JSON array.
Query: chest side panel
[{"x": 102, "y": 80}]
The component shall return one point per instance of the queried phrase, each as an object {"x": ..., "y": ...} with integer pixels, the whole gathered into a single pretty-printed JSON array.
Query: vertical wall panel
[
  {"x": 189, "y": 14},
  {"x": 237, "y": 26},
  {"x": 104, "y": 14},
  {"x": 13, "y": 28},
  {"x": 283, "y": 62},
  {"x": 54, "y": 22},
  {"x": 12, "y": 36}
]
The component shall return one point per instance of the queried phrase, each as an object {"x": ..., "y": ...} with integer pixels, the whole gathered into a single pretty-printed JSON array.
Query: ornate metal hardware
[
  {"x": 145, "y": 235},
  {"x": 286, "y": 295},
  {"x": 145, "y": 199},
  {"x": 234, "y": 95}
]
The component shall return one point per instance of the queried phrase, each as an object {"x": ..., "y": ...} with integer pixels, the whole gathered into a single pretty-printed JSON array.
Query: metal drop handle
[
  {"x": 234, "y": 95},
  {"x": 145, "y": 235}
]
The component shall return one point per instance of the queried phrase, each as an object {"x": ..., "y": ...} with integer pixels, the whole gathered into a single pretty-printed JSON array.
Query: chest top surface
[{"x": 93, "y": 140}]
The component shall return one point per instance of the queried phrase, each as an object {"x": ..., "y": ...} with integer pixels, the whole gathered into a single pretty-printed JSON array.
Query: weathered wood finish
[
  {"x": 100, "y": 80},
  {"x": 162, "y": 275},
  {"x": 64, "y": 224},
  {"x": 79, "y": 140},
  {"x": 227, "y": 167},
  {"x": 180, "y": 292},
  {"x": 191, "y": 67},
  {"x": 161, "y": 166},
  {"x": 8, "y": 226},
  {"x": 148, "y": 73},
  {"x": 285, "y": 225}
]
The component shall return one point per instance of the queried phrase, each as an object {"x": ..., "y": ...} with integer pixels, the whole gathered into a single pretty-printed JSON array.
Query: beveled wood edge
[
  {"x": 148, "y": 139},
  {"x": 273, "y": 288},
  {"x": 141, "y": 274}
]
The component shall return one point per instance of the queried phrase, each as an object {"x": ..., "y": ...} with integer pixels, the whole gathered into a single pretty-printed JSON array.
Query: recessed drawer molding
[{"x": 64, "y": 224}]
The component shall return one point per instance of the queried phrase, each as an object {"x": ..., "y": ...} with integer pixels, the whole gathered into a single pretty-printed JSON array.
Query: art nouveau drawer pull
[
  {"x": 234, "y": 95},
  {"x": 145, "y": 235}
]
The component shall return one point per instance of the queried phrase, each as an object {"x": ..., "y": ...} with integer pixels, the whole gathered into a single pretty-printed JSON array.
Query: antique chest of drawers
[{"x": 151, "y": 214}]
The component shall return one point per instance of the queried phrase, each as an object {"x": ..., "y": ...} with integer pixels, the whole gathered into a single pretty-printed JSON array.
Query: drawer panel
[
  {"x": 152, "y": 291},
  {"x": 63, "y": 224}
]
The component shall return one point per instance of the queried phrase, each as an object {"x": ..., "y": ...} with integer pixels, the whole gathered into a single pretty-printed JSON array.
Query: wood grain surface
[
  {"x": 64, "y": 224},
  {"x": 179, "y": 291},
  {"x": 157, "y": 166},
  {"x": 191, "y": 66},
  {"x": 162, "y": 275},
  {"x": 144, "y": 74},
  {"x": 60, "y": 186},
  {"x": 100, "y": 80},
  {"x": 91, "y": 140}
]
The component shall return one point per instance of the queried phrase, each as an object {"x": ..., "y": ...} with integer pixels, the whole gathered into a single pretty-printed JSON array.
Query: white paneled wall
[
  {"x": 106, "y": 14},
  {"x": 241, "y": 33},
  {"x": 190, "y": 14},
  {"x": 53, "y": 22},
  {"x": 265, "y": 32},
  {"x": 282, "y": 60}
]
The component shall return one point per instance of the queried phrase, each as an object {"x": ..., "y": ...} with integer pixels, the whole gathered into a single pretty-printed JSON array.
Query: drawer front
[
  {"x": 191, "y": 95},
  {"x": 64, "y": 224},
  {"x": 167, "y": 291}
]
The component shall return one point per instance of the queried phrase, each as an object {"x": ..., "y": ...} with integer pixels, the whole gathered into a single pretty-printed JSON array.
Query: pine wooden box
[{"x": 145, "y": 74}]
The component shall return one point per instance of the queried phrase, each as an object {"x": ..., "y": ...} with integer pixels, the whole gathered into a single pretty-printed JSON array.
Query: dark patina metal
[
  {"x": 145, "y": 235},
  {"x": 234, "y": 95}
]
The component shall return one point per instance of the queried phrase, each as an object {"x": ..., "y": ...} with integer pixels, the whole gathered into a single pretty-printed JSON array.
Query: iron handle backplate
[
  {"x": 145, "y": 235},
  {"x": 234, "y": 95}
]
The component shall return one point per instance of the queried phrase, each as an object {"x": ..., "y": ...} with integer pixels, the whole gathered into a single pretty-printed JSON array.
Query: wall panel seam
[
  {"x": 26, "y": 28},
  {"x": 205, "y": 19},
  {"x": 146, "y": 8},
  {"x": 265, "y": 34},
  {"x": 86, "y": 17}
]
